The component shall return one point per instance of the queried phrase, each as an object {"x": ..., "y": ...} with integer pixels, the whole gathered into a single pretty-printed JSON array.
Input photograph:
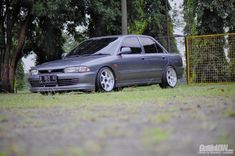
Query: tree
[
  {"x": 39, "y": 21},
  {"x": 51, "y": 17},
  {"x": 150, "y": 17},
  {"x": 189, "y": 17},
  {"x": 15, "y": 17},
  {"x": 104, "y": 17},
  {"x": 205, "y": 17},
  {"x": 144, "y": 17}
]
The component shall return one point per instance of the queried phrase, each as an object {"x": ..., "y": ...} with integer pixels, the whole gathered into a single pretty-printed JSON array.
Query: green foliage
[
  {"x": 210, "y": 17},
  {"x": 50, "y": 19},
  {"x": 151, "y": 18},
  {"x": 138, "y": 27},
  {"x": 61, "y": 12},
  {"x": 70, "y": 43},
  {"x": 104, "y": 17},
  {"x": 20, "y": 76},
  {"x": 189, "y": 16}
]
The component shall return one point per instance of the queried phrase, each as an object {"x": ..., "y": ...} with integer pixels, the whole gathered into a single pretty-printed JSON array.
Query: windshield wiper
[
  {"x": 81, "y": 55},
  {"x": 100, "y": 54}
]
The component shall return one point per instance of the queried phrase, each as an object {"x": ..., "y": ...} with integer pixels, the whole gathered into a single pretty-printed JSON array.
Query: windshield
[{"x": 105, "y": 46}]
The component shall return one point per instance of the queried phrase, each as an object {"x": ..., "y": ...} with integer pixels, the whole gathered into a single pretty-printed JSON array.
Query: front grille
[
  {"x": 67, "y": 82},
  {"x": 51, "y": 71},
  {"x": 60, "y": 82},
  {"x": 35, "y": 83}
]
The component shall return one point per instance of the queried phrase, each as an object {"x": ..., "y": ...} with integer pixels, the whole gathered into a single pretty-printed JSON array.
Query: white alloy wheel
[
  {"x": 106, "y": 79},
  {"x": 171, "y": 77}
]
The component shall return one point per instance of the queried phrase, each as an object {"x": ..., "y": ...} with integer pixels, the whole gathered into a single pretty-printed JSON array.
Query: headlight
[
  {"x": 34, "y": 72},
  {"x": 80, "y": 69}
]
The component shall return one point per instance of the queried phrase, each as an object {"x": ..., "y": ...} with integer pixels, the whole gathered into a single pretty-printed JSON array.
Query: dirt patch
[{"x": 176, "y": 126}]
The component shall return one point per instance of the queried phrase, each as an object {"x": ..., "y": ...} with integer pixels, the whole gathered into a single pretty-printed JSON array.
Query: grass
[
  {"x": 229, "y": 112},
  {"x": 223, "y": 139},
  {"x": 140, "y": 113},
  {"x": 154, "y": 136},
  {"x": 71, "y": 151},
  {"x": 162, "y": 118},
  {"x": 3, "y": 118},
  {"x": 129, "y": 96}
]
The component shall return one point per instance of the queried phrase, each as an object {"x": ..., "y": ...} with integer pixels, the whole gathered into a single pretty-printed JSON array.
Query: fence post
[{"x": 187, "y": 60}]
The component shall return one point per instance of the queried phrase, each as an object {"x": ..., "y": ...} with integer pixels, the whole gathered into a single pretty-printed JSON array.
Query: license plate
[{"x": 48, "y": 78}]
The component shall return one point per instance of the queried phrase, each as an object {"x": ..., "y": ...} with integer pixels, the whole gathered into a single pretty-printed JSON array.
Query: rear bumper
[{"x": 65, "y": 82}]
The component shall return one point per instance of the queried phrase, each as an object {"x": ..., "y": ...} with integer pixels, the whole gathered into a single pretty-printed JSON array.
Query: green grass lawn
[{"x": 130, "y": 95}]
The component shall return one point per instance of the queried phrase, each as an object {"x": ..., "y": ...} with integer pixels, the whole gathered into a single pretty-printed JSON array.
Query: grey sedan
[{"x": 108, "y": 63}]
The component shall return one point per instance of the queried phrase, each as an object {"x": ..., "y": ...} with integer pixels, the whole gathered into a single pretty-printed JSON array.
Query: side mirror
[{"x": 125, "y": 50}]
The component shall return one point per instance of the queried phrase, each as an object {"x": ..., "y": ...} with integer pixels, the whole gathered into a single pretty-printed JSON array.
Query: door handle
[
  {"x": 163, "y": 57},
  {"x": 142, "y": 58}
]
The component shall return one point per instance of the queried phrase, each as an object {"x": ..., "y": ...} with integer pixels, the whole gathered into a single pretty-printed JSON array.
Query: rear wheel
[
  {"x": 105, "y": 80},
  {"x": 169, "y": 78}
]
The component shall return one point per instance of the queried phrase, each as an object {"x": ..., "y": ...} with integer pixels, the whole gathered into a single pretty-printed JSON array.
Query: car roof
[{"x": 119, "y": 36}]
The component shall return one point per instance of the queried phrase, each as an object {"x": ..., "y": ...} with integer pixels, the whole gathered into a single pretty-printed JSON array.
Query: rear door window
[{"x": 150, "y": 46}]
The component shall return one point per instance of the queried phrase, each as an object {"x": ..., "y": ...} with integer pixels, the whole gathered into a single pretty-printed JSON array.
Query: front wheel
[
  {"x": 105, "y": 80},
  {"x": 169, "y": 78}
]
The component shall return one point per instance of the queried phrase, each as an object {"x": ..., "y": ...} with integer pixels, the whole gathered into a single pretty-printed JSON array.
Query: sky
[{"x": 29, "y": 61}]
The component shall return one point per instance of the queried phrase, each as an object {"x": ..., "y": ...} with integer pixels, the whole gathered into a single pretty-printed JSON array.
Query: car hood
[{"x": 68, "y": 62}]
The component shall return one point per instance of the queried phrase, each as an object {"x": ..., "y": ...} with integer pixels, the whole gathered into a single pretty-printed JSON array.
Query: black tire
[
  {"x": 105, "y": 80},
  {"x": 169, "y": 78},
  {"x": 118, "y": 89},
  {"x": 44, "y": 93},
  {"x": 162, "y": 85}
]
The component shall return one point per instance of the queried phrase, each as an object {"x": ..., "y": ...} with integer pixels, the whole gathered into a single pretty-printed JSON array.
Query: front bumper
[{"x": 64, "y": 82}]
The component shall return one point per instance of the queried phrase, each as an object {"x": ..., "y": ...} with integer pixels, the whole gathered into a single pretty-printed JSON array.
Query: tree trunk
[
  {"x": 9, "y": 62},
  {"x": 7, "y": 78}
]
